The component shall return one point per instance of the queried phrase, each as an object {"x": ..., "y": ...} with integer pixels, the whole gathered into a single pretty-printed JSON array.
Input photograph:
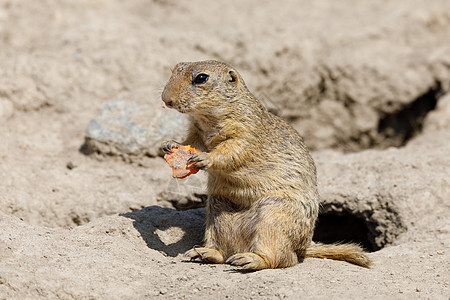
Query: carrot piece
[{"x": 177, "y": 160}]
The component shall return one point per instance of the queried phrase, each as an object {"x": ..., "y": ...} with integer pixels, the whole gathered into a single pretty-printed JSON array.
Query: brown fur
[{"x": 262, "y": 185}]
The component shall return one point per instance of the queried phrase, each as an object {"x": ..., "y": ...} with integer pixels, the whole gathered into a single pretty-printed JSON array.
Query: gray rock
[{"x": 133, "y": 129}]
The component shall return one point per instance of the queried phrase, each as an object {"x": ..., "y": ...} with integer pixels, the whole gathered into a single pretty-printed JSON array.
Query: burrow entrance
[
  {"x": 345, "y": 228},
  {"x": 396, "y": 129}
]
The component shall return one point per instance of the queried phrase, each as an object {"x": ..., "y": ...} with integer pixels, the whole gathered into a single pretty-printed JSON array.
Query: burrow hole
[
  {"x": 345, "y": 228},
  {"x": 399, "y": 127}
]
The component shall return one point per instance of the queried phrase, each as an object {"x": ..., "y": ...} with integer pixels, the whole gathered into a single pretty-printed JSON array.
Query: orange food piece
[{"x": 177, "y": 160}]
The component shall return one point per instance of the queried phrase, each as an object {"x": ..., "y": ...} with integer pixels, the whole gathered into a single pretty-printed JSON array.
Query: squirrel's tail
[{"x": 351, "y": 253}]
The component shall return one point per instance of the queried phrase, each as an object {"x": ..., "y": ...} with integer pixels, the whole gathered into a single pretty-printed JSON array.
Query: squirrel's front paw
[
  {"x": 167, "y": 146},
  {"x": 200, "y": 161}
]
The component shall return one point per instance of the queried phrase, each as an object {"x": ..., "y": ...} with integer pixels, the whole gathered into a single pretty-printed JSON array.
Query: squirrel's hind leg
[{"x": 273, "y": 243}]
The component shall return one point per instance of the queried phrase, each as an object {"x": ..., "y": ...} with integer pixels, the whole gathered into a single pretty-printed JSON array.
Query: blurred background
[{"x": 348, "y": 75}]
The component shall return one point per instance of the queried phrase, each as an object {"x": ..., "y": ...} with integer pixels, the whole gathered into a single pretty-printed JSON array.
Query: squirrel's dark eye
[{"x": 201, "y": 78}]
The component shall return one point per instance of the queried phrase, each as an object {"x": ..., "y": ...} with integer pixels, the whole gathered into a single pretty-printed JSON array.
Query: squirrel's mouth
[
  {"x": 175, "y": 104},
  {"x": 180, "y": 108},
  {"x": 171, "y": 104}
]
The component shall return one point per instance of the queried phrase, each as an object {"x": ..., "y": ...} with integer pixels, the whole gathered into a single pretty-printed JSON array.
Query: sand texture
[{"x": 89, "y": 208}]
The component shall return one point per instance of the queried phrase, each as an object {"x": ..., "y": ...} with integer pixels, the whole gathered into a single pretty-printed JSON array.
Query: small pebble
[{"x": 163, "y": 291}]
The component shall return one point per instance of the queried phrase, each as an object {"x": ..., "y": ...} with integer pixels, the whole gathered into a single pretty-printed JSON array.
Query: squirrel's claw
[
  {"x": 167, "y": 146},
  {"x": 200, "y": 161}
]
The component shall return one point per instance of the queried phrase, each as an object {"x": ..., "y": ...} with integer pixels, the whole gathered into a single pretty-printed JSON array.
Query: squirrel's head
[{"x": 207, "y": 88}]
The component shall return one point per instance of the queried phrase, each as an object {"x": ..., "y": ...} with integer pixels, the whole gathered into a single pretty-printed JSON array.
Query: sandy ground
[{"x": 366, "y": 83}]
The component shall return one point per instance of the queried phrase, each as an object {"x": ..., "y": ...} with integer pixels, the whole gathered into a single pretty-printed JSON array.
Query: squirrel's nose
[
  {"x": 168, "y": 103},
  {"x": 167, "y": 99}
]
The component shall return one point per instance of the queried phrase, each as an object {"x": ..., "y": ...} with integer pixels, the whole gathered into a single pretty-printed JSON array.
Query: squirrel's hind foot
[{"x": 205, "y": 254}]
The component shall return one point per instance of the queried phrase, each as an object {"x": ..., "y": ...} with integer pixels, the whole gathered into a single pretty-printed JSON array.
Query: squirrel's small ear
[{"x": 232, "y": 76}]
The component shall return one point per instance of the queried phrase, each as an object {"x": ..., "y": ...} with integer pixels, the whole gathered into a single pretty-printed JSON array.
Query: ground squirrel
[{"x": 262, "y": 188}]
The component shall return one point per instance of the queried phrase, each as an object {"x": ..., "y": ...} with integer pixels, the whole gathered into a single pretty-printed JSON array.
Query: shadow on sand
[{"x": 168, "y": 230}]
